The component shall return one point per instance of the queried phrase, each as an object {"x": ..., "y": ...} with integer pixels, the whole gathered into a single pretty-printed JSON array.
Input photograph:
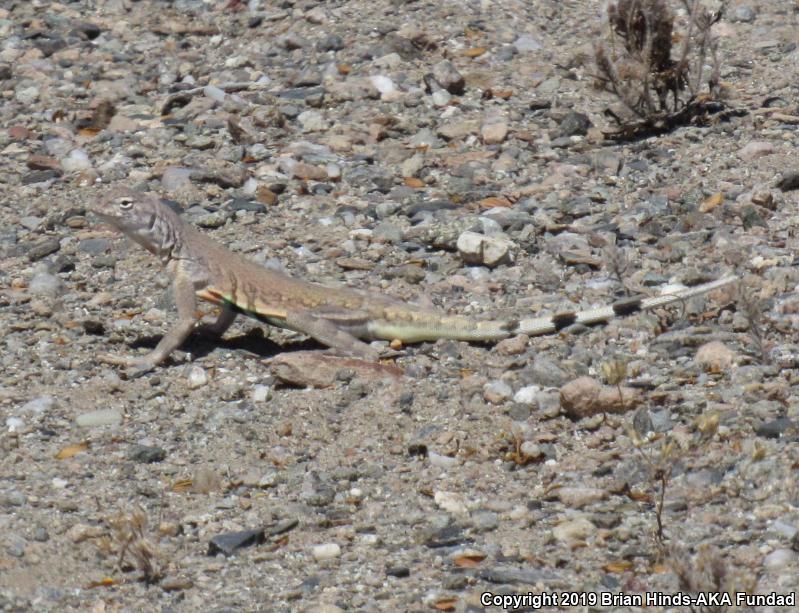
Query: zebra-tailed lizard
[{"x": 340, "y": 318}]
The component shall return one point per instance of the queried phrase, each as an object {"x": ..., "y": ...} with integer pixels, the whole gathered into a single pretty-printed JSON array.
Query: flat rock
[
  {"x": 231, "y": 542},
  {"x": 314, "y": 369}
]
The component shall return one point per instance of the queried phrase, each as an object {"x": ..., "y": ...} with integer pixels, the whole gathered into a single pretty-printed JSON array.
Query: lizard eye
[{"x": 125, "y": 203}]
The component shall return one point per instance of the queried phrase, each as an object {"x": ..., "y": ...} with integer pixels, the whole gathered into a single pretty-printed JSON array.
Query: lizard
[{"x": 339, "y": 318}]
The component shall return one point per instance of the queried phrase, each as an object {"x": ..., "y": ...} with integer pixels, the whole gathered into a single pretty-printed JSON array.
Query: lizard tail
[
  {"x": 620, "y": 308},
  {"x": 433, "y": 326}
]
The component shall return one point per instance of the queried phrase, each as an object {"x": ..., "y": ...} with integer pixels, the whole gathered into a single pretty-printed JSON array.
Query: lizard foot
[
  {"x": 134, "y": 367},
  {"x": 369, "y": 354}
]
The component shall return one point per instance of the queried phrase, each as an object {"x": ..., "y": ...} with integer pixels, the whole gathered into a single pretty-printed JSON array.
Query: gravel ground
[{"x": 447, "y": 153}]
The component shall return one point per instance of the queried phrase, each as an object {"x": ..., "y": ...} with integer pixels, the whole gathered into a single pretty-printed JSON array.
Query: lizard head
[{"x": 141, "y": 217}]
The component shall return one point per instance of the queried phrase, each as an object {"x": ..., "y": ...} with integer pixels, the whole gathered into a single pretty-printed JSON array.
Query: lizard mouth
[{"x": 105, "y": 218}]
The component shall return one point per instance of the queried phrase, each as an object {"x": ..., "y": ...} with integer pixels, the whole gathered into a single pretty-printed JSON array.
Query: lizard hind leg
[
  {"x": 225, "y": 319},
  {"x": 325, "y": 331}
]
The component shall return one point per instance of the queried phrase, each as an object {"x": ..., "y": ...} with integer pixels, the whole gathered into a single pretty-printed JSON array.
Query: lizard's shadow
[{"x": 253, "y": 342}]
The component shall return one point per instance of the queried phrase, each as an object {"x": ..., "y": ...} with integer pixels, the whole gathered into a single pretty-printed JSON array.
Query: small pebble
[
  {"x": 451, "y": 502},
  {"x": 449, "y": 78},
  {"x": 497, "y": 391},
  {"x": 197, "y": 377},
  {"x": 40, "y": 405},
  {"x": 261, "y": 393},
  {"x": 756, "y": 149},
  {"x": 572, "y": 530},
  {"x": 779, "y": 558},
  {"x": 327, "y": 551},
  {"x": 101, "y": 417},
  {"x": 489, "y": 251}
]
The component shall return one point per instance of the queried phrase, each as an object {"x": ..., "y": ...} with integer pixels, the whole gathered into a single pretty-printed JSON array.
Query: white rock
[
  {"x": 441, "y": 97},
  {"x": 527, "y": 394},
  {"x": 101, "y": 417},
  {"x": 576, "y": 497},
  {"x": 779, "y": 558},
  {"x": 76, "y": 161},
  {"x": 531, "y": 450},
  {"x": 494, "y": 132},
  {"x": 250, "y": 186},
  {"x": 451, "y": 502},
  {"x": 784, "y": 529},
  {"x": 383, "y": 84},
  {"x": 312, "y": 121},
  {"x": 261, "y": 393},
  {"x": 576, "y": 529},
  {"x": 326, "y": 551},
  {"x": 489, "y": 251},
  {"x": 15, "y": 424},
  {"x": 197, "y": 377},
  {"x": 411, "y": 166},
  {"x": 27, "y": 96},
  {"x": 39, "y": 405},
  {"x": 497, "y": 391},
  {"x": 333, "y": 171},
  {"x": 441, "y": 461},
  {"x": 391, "y": 60}
]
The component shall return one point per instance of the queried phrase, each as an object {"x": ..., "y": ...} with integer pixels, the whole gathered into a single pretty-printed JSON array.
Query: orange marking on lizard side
[
  {"x": 258, "y": 308},
  {"x": 211, "y": 295}
]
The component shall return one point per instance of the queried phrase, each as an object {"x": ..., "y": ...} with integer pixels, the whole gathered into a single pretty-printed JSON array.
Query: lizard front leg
[{"x": 186, "y": 303}]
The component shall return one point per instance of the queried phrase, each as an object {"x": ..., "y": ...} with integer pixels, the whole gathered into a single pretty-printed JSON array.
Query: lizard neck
[{"x": 164, "y": 235}]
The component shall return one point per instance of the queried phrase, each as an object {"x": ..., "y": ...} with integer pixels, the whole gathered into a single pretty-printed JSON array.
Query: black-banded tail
[{"x": 627, "y": 306}]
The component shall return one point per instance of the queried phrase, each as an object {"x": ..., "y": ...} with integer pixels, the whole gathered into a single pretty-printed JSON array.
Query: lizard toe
[{"x": 135, "y": 371}]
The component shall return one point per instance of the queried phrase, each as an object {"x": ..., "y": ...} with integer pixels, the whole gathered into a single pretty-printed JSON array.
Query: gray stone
[
  {"x": 176, "y": 179},
  {"x": 31, "y": 222},
  {"x": 448, "y": 77},
  {"x": 45, "y": 284},
  {"x": 43, "y": 248},
  {"x": 743, "y": 13},
  {"x": 94, "y": 246},
  {"x": 497, "y": 391},
  {"x": 308, "y": 78},
  {"x": 507, "y": 574},
  {"x": 387, "y": 232},
  {"x": 575, "y": 124},
  {"x": 545, "y": 372},
  {"x": 485, "y": 521},
  {"x": 13, "y": 498},
  {"x": 331, "y": 42},
  {"x": 526, "y": 43},
  {"x": 145, "y": 454},
  {"x": 230, "y": 542}
]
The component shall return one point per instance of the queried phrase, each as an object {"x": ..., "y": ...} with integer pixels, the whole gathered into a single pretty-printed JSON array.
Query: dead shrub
[{"x": 664, "y": 72}]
